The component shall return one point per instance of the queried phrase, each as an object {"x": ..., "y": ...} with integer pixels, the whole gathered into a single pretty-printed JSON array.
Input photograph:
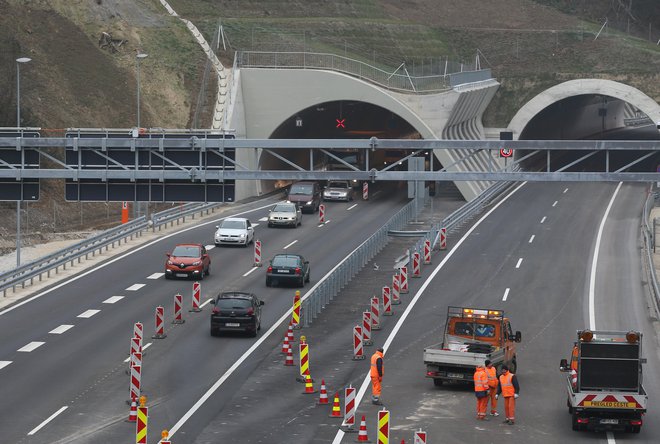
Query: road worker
[
  {"x": 509, "y": 388},
  {"x": 376, "y": 374},
  {"x": 481, "y": 391},
  {"x": 574, "y": 365},
  {"x": 491, "y": 371}
]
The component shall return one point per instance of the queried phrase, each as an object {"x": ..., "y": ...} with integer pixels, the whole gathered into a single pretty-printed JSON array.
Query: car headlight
[
  {"x": 310, "y": 202},
  {"x": 170, "y": 263},
  {"x": 196, "y": 263},
  {"x": 242, "y": 235}
]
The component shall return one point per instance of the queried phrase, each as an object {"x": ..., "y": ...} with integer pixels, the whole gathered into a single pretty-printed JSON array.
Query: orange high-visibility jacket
[
  {"x": 480, "y": 380},
  {"x": 374, "y": 365},
  {"x": 507, "y": 384},
  {"x": 492, "y": 377}
]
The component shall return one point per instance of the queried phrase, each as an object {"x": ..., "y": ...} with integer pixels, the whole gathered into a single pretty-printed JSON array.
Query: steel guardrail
[
  {"x": 28, "y": 272},
  {"x": 649, "y": 241}
]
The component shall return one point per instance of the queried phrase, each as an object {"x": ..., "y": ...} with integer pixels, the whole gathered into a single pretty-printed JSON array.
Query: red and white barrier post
[
  {"x": 365, "y": 190},
  {"x": 349, "y": 409},
  {"x": 366, "y": 328},
  {"x": 395, "y": 289},
  {"x": 136, "y": 347},
  {"x": 160, "y": 328},
  {"x": 138, "y": 331},
  {"x": 257, "y": 253},
  {"x": 420, "y": 437},
  {"x": 403, "y": 280},
  {"x": 136, "y": 374},
  {"x": 443, "y": 238},
  {"x": 387, "y": 302},
  {"x": 375, "y": 313},
  {"x": 358, "y": 350},
  {"x": 178, "y": 303},
  {"x": 427, "y": 252},
  {"x": 416, "y": 265},
  {"x": 196, "y": 295},
  {"x": 321, "y": 214}
]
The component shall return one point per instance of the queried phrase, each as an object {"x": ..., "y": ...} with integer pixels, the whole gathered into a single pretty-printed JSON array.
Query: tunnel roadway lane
[{"x": 83, "y": 368}]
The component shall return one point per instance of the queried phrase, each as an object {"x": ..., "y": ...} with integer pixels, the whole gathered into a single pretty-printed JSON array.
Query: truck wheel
[
  {"x": 437, "y": 382},
  {"x": 514, "y": 366}
]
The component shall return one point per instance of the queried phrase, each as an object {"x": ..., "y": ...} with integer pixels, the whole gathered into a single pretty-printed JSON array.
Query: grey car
[
  {"x": 285, "y": 214},
  {"x": 338, "y": 190},
  {"x": 234, "y": 231}
]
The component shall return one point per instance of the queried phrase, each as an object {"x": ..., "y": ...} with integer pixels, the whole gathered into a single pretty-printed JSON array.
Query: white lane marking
[
  {"x": 519, "y": 262},
  {"x": 594, "y": 262},
  {"x": 4, "y": 364},
  {"x": 506, "y": 294},
  {"x": 121, "y": 257},
  {"x": 351, "y": 207},
  {"x": 565, "y": 190},
  {"x": 255, "y": 225},
  {"x": 325, "y": 223},
  {"x": 155, "y": 276},
  {"x": 411, "y": 305},
  {"x": 113, "y": 299},
  {"x": 610, "y": 438},
  {"x": 31, "y": 346},
  {"x": 543, "y": 220},
  {"x": 146, "y": 346},
  {"x": 135, "y": 287},
  {"x": 61, "y": 329},
  {"x": 263, "y": 219},
  {"x": 287, "y": 246},
  {"x": 531, "y": 239},
  {"x": 209, "y": 247},
  {"x": 555, "y": 204},
  {"x": 88, "y": 313},
  {"x": 249, "y": 272},
  {"x": 208, "y": 301},
  {"x": 49, "y": 419}
]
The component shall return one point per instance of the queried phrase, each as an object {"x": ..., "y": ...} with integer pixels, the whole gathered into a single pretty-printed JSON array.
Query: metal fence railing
[
  {"x": 649, "y": 242},
  {"x": 27, "y": 273}
]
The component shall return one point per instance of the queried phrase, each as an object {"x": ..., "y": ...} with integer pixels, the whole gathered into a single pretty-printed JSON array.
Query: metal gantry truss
[{"x": 187, "y": 158}]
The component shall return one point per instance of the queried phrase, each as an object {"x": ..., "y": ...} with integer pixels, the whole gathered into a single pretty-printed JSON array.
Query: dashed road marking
[
  {"x": 543, "y": 220},
  {"x": 4, "y": 364},
  {"x": 255, "y": 225},
  {"x": 249, "y": 271},
  {"x": 506, "y": 294},
  {"x": 208, "y": 301},
  {"x": 113, "y": 299},
  {"x": 135, "y": 287},
  {"x": 555, "y": 204},
  {"x": 61, "y": 329},
  {"x": 565, "y": 190},
  {"x": 351, "y": 207},
  {"x": 519, "y": 262},
  {"x": 31, "y": 346},
  {"x": 49, "y": 419},
  {"x": 209, "y": 247},
  {"x": 263, "y": 219},
  {"x": 155, "y": 276},
  {"x": 531, "y": 239},
  {"x": 287, "y": 246},
  {"x": 324, "y": 223},
  {"x": 88, "y": 313}
]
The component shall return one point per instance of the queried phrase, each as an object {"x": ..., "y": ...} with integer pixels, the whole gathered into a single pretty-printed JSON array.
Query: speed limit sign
[{"x": 506, "y": 152}]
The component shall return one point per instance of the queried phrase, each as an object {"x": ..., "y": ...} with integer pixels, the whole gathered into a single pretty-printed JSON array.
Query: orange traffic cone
[
  {"x": 362, "y": 434},
  {"x": 285, "y": 345},
  {"x": 336, "y": 408},
  {"x": 132, "y": 415},
  {"x": 289, "y": 358},
  {"x": 309, "y": 386},
  {"x": 323, "y": 397},
  {"x": 289, "y": 334}
]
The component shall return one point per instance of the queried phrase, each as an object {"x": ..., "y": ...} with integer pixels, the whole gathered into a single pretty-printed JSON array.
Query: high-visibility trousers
[
  {"x": 493, "y": 401},
  {"x": 510, "y": 407},
  {"x": 375, "y": 387},
  {"x": 482, "y": 405}
]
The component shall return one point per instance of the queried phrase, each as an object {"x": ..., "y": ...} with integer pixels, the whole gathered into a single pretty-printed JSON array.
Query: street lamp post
[
  {"x": 18, "y": 125},
  {"x": 139, "y": 56}
]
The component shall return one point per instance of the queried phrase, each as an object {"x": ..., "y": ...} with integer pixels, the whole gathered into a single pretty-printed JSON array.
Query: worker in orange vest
[
  {"x": 508, "y": 388},
  {"x": 376, "y": 374},
  {"x": 574, "y": 365},
  {"x": 481, "y": 391},
  {"x": 491, "y": 371}
]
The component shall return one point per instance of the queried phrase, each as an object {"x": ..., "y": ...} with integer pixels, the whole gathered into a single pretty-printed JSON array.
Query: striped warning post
[
  {"x": 427, "y": 252},
  {"x": 349, "y": 409},
  {"x": 321, "y": 214},
  {"x": 387, "y": 302},
  {"x": 136, "y": 346},
  {"x": 196, "y": 295},
  {"x": 375, "y": 313},
  {"x": 257, "y": 253},
  {"x": 136, "y": 359},
  {"x": 403, "y": 280},
  {"x": 358, "y": 350},
  {"x": 295, "y": 315},
  {"x": 384, "y": 427},
  {"x": 366, "y": 328},
  {"x": 160, "y": 328},
  {"x": 395, "y": 289},
  {"x": 443, "y": 238},
  {"x": 178, "y": 303},
  {"x": 420, "y": 437},
  {"x": 138, "y": 331},
  {"x": 142, "y": 422},
  {"x": 136, "y": 374},
  {"x": 304, "y": 359},
  {"x": 365, "y": 190},
  {"x": 416, "y": 265}
]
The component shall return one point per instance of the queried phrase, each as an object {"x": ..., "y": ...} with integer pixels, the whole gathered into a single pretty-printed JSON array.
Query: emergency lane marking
[
  {"x": 135, "y": 287},
  {"x": 87, "y": 314},
  {"x": 565, "y": 190},
  {"x": 4, "y": 364},
  {"x": 247, "y": 273},
  {"x": 49, "y": 419},
  {"x": 531, "y": 239},
  {"x": 367, "y": 379},
  {"x": 61, "y": 329},
  {"x": 555, "y": 204},
  {"x": 31, "y": 347},
  {"x": 113, "y": 299},
  {"x": 155, "y": 276},
  {"x": 287, "y": 246},
  {"x": 506, "y": 294},
  {"x": 519, "y": 262},
  {"x": 351, "y": 207}
]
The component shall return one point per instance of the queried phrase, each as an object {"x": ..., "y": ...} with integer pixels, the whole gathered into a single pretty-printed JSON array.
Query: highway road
[{"x": 63, "y": 354}]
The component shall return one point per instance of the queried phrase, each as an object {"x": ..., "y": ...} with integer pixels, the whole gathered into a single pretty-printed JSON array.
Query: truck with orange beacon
[
  {"x": 471, "y": 336},
  {"x": 604, "y": 381}
]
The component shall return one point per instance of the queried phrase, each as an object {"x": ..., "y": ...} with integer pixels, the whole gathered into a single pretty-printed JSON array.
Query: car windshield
[
  {"x": 233, "y": 303},
  {"x": 233, "y": 224},
  {"x": 284, "y": 209},
  {"x": 338, "y": 185},
  {"x": 186, "y": 251},
  {"x": 286, "y": 261},
  {"x": 301, "y": 189}
]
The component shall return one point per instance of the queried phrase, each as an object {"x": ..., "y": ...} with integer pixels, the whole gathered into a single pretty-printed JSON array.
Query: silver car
[
  {"x": 234, "y": 231},
  {"x": 338, "y": 190},
  {"x": 285, "y": 214}
]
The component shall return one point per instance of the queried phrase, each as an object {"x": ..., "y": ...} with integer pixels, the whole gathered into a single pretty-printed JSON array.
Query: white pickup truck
[{"x": 471, "y": 336}]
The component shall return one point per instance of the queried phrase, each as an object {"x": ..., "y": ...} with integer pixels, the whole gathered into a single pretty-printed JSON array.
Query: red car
[{"x": 188, "y": 261}]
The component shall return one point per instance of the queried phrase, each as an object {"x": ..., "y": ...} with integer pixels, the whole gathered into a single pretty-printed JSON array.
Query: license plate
[
  {"x": 455, "y": 375},
  {"x": 181, "y": 275},
  {"x": 609, "y": 421},
  {"x": 282, "y": 271},
  {"x": 232, "y": 324}
]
